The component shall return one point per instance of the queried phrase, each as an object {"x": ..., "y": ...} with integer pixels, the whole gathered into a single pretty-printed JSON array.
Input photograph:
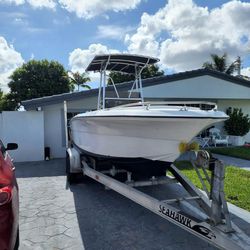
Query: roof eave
[{"x": 44, "y": 101}]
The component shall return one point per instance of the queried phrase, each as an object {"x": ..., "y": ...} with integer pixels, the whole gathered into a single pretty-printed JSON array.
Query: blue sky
[
  {"x": 73, "y": 31},
  {"x": 44, "y": 33}
]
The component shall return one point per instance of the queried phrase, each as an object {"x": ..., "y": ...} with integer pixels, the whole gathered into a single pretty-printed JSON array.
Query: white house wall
[
  {"x": 54, "y": 130},
  {"x": 27, "y": 130},
  {"x": 203, "y": 87}
]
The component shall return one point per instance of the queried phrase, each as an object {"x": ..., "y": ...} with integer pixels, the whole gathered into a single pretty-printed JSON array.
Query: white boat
[{"x": 146, "y": 130}]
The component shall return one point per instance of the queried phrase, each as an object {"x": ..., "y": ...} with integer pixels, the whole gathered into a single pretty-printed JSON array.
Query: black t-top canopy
[{"x": 125, "y": 63}]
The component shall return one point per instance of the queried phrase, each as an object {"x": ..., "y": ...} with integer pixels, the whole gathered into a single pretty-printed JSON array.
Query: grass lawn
[
  {"x": 237, "y": 183},
  {"x": 242, "y": 152}
]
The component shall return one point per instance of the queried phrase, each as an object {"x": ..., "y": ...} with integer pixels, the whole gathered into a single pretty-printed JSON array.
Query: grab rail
[{"x": 176, "y": 103}]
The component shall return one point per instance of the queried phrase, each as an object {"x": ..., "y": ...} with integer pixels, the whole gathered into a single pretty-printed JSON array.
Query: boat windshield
[{"x": 123, "y": 63}]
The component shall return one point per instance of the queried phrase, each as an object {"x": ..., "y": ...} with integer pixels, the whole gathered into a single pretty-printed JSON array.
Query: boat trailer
[{"x": 202, "y": 213}]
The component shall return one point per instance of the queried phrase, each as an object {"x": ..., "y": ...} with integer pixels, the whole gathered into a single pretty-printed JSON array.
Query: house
[{"x": 196, "y": 85}]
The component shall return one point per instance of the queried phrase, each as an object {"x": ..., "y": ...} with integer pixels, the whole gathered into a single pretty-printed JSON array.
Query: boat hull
[{"x": 152, "y": 138}]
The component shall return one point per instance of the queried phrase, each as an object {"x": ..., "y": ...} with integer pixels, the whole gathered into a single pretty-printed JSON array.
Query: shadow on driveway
[
  {"x": 54, "y": 167},
  {"x": 107, "y": 220},
  {"x": 54, "y": 215}
]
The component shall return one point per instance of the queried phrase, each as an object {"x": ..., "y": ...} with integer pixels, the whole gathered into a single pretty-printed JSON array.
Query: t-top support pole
[{"x": 104, "y": 82}]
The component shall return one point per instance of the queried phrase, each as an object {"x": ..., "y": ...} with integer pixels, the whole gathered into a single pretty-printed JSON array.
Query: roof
[
  {"x": 125, "y": 63},
  {"x": 49, "y": 100}
]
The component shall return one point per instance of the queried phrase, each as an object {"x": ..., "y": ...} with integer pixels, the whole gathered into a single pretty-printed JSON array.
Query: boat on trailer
[
  {"x": 138, "y": 129},
  {"x": 101, "y": 151}
]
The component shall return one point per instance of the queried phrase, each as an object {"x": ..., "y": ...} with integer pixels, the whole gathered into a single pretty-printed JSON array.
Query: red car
[{"x": 9, "y": 204}]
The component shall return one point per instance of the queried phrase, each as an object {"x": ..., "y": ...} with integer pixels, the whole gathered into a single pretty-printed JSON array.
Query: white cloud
[
  {"x": 17, "y": 2},
  {"x": 79, "y": 59},
  {"x": 82, "y": 8},
  {"x": 10, "y": 59},
  {"x": 245, "y": 71},
  {"x": 37, "y": 4},
  {"x": 113, "y": 31},
  {"x": 183, "y": 35},
  {"x": 50, "y": 4},
  {"x": 88, "y": 9}
]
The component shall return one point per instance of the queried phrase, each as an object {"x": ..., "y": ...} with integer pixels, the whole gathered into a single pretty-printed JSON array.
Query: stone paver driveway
[
  {"x": 86, "y": 216},
  {"x": 47, "y": 210}
]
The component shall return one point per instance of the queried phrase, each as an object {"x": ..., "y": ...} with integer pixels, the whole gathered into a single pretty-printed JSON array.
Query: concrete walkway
[{"x": 245, "y": 164}]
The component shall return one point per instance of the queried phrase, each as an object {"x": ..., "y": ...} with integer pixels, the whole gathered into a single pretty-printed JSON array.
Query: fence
[{"x": 27, "y": 130}]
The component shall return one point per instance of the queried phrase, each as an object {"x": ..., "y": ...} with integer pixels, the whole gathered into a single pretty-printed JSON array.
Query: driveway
[
  {"x": 241, "y": 163},
  {"x": 86, "y": 216}
]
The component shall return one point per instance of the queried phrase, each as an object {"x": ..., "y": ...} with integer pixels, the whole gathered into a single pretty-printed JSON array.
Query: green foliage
[
  {"x": 79, "y": 79},
  {"x": 36, "y": 79},
  {"x": 151, "y": 71},
  {"x": 118, "y": 77},
  {"x": 1, "y": 94},
  {"x": 238, "y": 124},
  {"x": 4, "y": 102},
  {"x": 1, "y": 99},
  {"x": 237, "y": 183},
  {"x": 220, "y": 63},
  {"x": 7, "y": 103},
  {"x": 242, "y": 152}
]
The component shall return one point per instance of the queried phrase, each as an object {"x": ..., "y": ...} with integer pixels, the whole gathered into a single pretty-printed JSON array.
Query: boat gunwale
[{"x": 143, "y": 116}]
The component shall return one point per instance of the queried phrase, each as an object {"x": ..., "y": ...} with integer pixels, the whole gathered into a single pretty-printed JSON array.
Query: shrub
[{"x": 238, "y": 124}]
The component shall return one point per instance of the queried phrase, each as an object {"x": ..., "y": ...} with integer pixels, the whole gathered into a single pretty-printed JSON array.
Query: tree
[
  {"x": 1, "y": 94},
  {"x": 1, "y": 99},
  {"x": 7, "y": 103},
  {"x": 36, "y": 79},
  {"x": 79, "y": 79},
  {"x": 151, "y": 71},
  {"x": 220, "y": 63},
  {"x": 238, "y": 123}
]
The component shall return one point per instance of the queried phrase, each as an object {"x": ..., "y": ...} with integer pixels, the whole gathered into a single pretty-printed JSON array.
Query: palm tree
[
  {"x": 220, "y": 63},
  {"x": 79, "y": 79}
]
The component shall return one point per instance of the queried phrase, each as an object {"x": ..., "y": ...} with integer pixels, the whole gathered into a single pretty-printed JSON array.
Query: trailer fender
[{"x": 73, "y": 159}]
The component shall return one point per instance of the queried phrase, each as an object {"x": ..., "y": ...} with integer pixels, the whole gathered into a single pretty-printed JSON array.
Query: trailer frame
[{"x": 209, "y": 219}]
